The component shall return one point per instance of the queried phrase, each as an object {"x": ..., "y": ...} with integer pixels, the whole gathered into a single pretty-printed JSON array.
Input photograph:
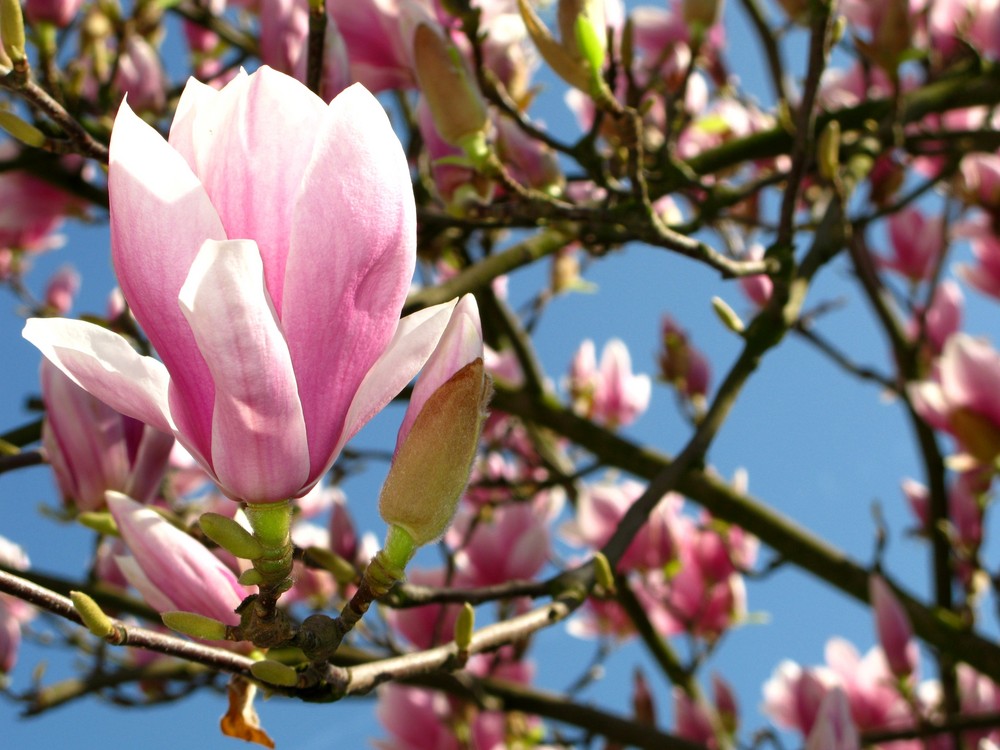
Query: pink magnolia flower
[
  {"x": 980, "y": 179},
  {"x": 600, "y": 508},
  {"x": 513, "y": 543},
  {"x": 964, "y": 399},
  {"x": 693, "y": 720},
  {"x": 757, "y": 288},
  {"x": 62, "y": 287},
  {"x": 985, "y": 274},
  {"x": 430, "y": 624},
  {"x": 916, "y": 242},
  {"x": 869, "y": 685},
  {"x": 31, "y": 209},
  {"x": 894, "y": 630},
  {"x": 416, "y": 719},
  {"x": 681, "y": 364},
  {"x": 58, "y": 12},
  {"x": 793, "y": 695},
  {"x": 92, "y": 448},
  {"x": 140, "y": 75},
  {"x": 170, "y": 569},
  {"x": 941, "y": 320},
  {"x": 834, "y": 729},
  {"x": 611, "y": 394},
  {"x": 14, "y": 612},
  {"x": 268, "y": 272}
]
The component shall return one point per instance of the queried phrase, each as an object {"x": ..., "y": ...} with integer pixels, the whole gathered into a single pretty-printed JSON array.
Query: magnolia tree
[{"x": 316, "y": 212}]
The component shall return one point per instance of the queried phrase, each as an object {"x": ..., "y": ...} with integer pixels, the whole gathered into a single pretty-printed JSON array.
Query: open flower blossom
[
  {"x": 266, "y": 250},
  {"x": 964, "y": 398}
]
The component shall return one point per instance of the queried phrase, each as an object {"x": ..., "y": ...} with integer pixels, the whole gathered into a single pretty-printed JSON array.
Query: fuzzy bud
[{"x": 454, "y": 100}]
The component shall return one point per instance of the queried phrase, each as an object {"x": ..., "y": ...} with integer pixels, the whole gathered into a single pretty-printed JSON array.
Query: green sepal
[
  {"x": 229, "y": 535},
  {"x": 250, "y": 577}
]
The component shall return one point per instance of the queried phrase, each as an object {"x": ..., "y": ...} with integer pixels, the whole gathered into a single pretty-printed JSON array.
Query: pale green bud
[
  {"x": 728, "y": 315},
  {"x": 194, "y": 625},
  {"x": 92, "y": 615},
  {"x": 12, "y": 30},
  {"x": 464, "y": 626},
  {"x": 454, "y": 99},
  {"x": 274, "y": 673},
  {"x": 25, "y": 132}
]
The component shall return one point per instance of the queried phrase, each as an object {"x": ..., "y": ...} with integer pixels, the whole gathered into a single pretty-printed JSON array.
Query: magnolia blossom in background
[
  {"x": 834, "y": 729},
  {"x": 941, "y": 320},
  {"x": 61, "y": 289},
  {"x": 916, "y": 242},
  {"x": 895, "y": 633},
  {"x": 31, "y": 209},
  {"x": 14, "y": 612},
  {"x": 610, "y": 394},
  {"x": 92, "y": 448},
  {"x": 58, "y": 12},
  {"x": 682, "y": 364},
  {"x": 757, "y": 288},
  {"x": 985, "y": 274},
  {"x": 964, "y": 399},
  {"x": 268, "y": 273}
]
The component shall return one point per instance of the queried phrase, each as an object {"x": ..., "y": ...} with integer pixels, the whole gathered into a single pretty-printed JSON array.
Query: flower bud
[
  {"x": 453, "y": 98},
  {"x": 438, "y": 438},
  {"x": 579, "y": 57},
  {"x": 894, "y": 630}
]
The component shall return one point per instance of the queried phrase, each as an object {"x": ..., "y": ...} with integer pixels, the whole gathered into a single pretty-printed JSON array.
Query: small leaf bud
[
  {"x": 728, "y": 316},
  {"x": 194, "y": 625},
  {"x": 92, "y": 615},
  {"x": 274, "y": 673}
]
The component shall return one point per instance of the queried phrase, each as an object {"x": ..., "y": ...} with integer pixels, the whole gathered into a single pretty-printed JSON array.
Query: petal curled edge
[
  {"x": 416, "y": 338},
  {"x": 259, "y": 448},
  {"x": 104, "y": 365},
  {"x": 160, "y": 216},
  {"x": 353, "y": 251}
]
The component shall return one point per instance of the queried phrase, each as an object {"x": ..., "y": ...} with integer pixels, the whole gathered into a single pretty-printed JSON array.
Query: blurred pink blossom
[
  {"x": 964, "y": 398},
  {"x": 892, "y": 624},
  {"x": 916, "y": 242},
  {"x": 611, "y": 394},
  {"x": 61, "y": 289},
  {"x": 92, "y": 448}
]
